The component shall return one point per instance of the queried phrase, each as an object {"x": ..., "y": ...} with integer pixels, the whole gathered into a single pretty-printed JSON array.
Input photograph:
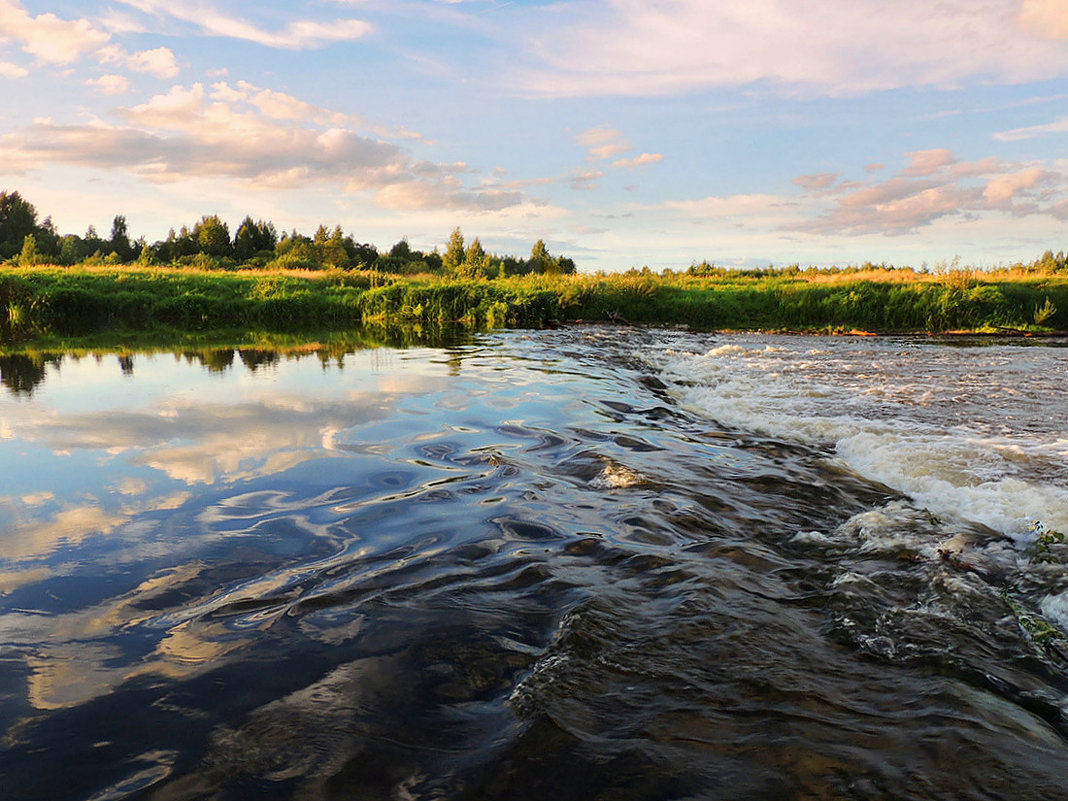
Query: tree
[
  {"x": 48, "y": 240},
  {"x": 254, "y": 238},
  {"x": 540, "y": 259},
  {"x": 18, "y": 219},
  {"x": 212, "y": 236},
  {"x": 93, "y": 245},
  {"x": 476, "y": 262},
  {"x": 454, "y": 253},
  {"x": 28, "y": 257},
  {"x": 401, "y": 250},
  {"x": 362, "y": 254},
  {"x": 120, "y": 239},
  {"x": 145, "y": 256}
]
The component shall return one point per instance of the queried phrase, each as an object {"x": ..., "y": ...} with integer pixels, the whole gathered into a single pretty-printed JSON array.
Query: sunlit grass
[{"x": 59, "y": 301}]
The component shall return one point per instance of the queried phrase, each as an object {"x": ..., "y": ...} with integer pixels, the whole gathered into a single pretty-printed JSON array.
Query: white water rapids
[{"x": 973, "y": 432}]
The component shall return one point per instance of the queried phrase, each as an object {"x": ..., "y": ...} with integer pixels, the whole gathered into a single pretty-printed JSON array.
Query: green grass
[{"x": 38, "y": 303}]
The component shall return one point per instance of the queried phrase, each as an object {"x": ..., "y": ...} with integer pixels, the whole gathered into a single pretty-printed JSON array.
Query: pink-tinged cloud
[
  {"x": 110, "y": 84},
  {"x": 893, "y": 210},
  {"x": 159, "y": 62},
  {"x": 836, "y": 47},
  {"x": 253, "y": 136},
  {"x": 817, "y": 181},
  {"x": 1002, "y": 189},
  {"x": 1046, "y": 18},
  {"x": 9, "y": 70},
  {"x": 935, "y": 186},
  {"x": 638, "y": 161},
  {"x": 928, "y": 162},
  {"x": 603, "y": 143}
]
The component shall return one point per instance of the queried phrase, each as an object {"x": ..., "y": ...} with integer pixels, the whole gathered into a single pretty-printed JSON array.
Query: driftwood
[{"x": 615, "y": 317}]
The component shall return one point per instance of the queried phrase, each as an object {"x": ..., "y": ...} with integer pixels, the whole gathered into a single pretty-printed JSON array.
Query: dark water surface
[{"x": 590, "y": 564}]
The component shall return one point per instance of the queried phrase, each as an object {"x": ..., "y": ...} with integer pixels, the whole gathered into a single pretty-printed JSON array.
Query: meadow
[{"x": 49, "y": 301}]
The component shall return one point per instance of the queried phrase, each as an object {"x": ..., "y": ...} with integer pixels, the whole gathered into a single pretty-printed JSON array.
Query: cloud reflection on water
[{"x": 153, "y": 480}]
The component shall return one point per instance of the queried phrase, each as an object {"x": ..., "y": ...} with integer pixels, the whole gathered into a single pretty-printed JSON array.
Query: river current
[{"x": 594, "y": 563}]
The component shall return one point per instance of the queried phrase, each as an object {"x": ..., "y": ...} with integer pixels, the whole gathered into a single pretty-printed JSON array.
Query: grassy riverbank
[{"x": 59, "y": 302}]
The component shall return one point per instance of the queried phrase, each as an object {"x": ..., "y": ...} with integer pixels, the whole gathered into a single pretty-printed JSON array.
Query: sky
[{"x": 623, "y": 133}]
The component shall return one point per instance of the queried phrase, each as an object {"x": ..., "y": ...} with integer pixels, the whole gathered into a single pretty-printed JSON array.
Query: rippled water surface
[{"x": 583, "y": 564}]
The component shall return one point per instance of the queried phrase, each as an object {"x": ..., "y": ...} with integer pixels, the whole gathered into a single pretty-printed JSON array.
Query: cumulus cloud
[
  {"x": 298, "y": 35},
  {"x": 240, "y": 131},
  {"x": 1001, "y": 189},
  {"x": 928, "y": 162},
  {"x": 159, "y": 62},
  {"x": 935, "y": 185},
  {"x": 110, "y": 84},
  {"x": 633, "y": 47},
  {"x": 49, "y": 39},
  {"x": 638, "y": 161},
  {"x": 56, "y": 41}
]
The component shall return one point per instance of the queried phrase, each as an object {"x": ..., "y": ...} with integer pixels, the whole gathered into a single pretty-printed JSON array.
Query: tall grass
[{"x": 45, "y": 302}]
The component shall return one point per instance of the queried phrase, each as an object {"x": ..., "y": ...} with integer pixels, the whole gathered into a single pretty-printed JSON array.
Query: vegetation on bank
[
  {"x": 54, "y": 301},
  {"x": 203, "y": 279}
]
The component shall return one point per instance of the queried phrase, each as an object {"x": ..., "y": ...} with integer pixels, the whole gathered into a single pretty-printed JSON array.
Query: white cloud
[
  {"x": 299, "y": 35},
  {"x": 110, "y": 84},
  {"x": 159, "y": 62},
  {"x": 46, "y": 37},
  {"x": 267, "y": 139},
  {"x": 1031, "y": 132},
  {"x": 603, "y": 143},
  {"x": 9, "y": 70},
  {"x": 633, "y": 47},
  {"x": 639, "y": 161}
]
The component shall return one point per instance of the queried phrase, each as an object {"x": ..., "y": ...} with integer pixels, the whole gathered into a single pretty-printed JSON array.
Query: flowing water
[{"x": 585, "y": 564}]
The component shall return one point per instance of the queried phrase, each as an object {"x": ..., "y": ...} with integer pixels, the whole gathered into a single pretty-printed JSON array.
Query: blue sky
[{"x": 622, "y": 132}]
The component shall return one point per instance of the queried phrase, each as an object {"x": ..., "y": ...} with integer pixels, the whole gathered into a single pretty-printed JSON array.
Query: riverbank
[{"x": 63, "y": 302}]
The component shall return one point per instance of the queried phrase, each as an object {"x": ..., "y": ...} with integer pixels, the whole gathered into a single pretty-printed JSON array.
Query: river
[{"x": 594, "y": 563}]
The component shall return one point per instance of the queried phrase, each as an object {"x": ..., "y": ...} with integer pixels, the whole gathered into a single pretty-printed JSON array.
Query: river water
[{"x": 582, "y": 564}]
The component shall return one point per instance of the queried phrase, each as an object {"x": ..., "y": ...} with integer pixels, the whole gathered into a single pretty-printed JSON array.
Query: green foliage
[
  {"x": 212, "y": 236},
  {"x": 29, "y": 257},
  {"x": 1045, "y": 312},
  {"x": 1040, "y": 630},
  {"x": 18, "y": 219},
  {"x": 1049, "y": 545},
  {"x": 453, "y": 257}
]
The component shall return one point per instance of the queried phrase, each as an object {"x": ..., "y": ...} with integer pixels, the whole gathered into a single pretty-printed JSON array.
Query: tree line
[{"x": 208, "y": 244}]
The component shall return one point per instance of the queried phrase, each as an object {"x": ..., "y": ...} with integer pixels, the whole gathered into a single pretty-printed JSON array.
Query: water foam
[{"x": 966, "y": 433}]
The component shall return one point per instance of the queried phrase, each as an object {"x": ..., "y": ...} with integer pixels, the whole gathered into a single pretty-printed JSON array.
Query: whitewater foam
[{"x": 968, "y": 433}]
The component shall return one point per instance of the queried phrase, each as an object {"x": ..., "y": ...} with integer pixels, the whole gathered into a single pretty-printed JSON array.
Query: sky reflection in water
[
  {"x": 117, "y": 466},
  {"x": 512, "y": 568}
]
